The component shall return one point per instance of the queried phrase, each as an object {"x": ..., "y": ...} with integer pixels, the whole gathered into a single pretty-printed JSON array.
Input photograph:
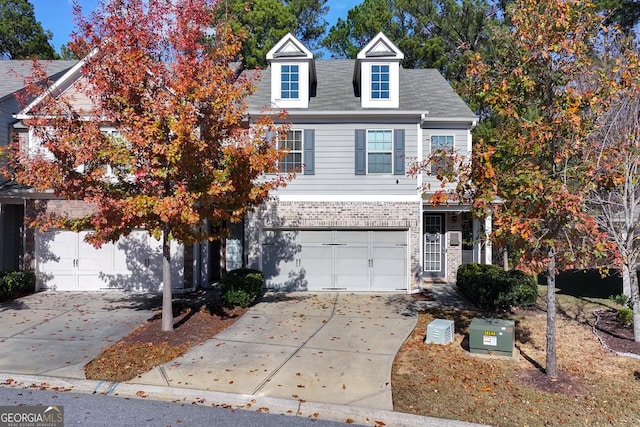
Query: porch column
[
  {"x": 477, "y": 244},
  {"x": 488, "y": 221}
]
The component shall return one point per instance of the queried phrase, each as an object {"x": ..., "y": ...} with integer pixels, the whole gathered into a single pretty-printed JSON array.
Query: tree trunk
[
  {"x": 167, "y": 306},
  {"x": 551, "y": 366},
  {"x": 635, "y": 304},
  {"x": 626, "y": 280},
  {"x": 505, "y": 259}
]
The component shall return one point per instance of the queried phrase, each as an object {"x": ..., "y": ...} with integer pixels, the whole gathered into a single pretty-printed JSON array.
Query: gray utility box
[
  {"x": 492, "y": 336},
  {"x": 439, "y": 331}
]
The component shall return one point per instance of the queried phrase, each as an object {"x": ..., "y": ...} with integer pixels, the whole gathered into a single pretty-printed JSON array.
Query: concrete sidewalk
[
  {"x": 57, "y": 333},
  {"x": 335, "y": 348}
]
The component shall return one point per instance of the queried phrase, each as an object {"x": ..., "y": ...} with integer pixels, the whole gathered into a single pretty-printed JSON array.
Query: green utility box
[{"x": 492, "y": 336}]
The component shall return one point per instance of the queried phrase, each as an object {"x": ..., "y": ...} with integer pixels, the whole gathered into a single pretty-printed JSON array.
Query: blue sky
[{"x": 57, "y": 17}]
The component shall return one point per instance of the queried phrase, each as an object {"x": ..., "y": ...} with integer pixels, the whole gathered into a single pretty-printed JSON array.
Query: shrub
[
  {"x": 490, "y": 287},
  {"x": 14, "y": 284},
  {"x": 625, "y": 316},
  {"x": 241, "y": 287},
  {"x": 622, "y": 300}
]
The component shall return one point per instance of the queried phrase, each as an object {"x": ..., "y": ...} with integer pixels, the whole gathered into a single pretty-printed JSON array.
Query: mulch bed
[
  {"x": 197, "y": 318},
  {"x": 614, "y": 335}
]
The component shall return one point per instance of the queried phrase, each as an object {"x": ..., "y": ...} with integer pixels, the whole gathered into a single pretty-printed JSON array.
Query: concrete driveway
[
  {"x": 57, "y": 333},
  {"x": 328, "y": 347}
]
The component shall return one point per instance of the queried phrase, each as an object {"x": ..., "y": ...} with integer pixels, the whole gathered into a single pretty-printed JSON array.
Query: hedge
[
  {"x": 15, "y": 284},
  {"x": 490, "y": 287}
]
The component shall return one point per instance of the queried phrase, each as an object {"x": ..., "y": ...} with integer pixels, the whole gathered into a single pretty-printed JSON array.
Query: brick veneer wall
[{"x": 351, "y": 215}]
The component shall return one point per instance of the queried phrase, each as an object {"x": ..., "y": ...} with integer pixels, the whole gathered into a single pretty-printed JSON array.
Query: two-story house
[{"x": 352, "y": 219}]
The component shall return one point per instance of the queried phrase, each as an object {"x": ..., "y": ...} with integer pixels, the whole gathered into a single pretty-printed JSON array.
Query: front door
[{"x": 434, "y": 250}]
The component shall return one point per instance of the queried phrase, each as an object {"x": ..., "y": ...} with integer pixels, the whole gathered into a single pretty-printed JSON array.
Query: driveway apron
[
  {"x": 57, "y": 333},
  {"x": 326, "y": 347}
]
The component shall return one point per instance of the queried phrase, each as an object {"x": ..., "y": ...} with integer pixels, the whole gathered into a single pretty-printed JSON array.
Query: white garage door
[
  {"x": 350, "y": 260},
  {"x": 65, "y": 262}
]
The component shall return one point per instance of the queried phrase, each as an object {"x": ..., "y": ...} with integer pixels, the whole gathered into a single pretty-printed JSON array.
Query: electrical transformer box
[{"x": 492, "y": 336}]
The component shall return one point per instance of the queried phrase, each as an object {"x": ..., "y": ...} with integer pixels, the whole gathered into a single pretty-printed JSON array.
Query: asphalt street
[{"x": 110, "y": 411}]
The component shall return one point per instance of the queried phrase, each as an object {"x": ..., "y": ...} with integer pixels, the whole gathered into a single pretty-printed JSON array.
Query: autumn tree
[
  {"x": 532, "y": 163},
  {"x": 160, "y": 73},
  {"x": 21, "y": 36},
  {"x": 615, "y": 155}
]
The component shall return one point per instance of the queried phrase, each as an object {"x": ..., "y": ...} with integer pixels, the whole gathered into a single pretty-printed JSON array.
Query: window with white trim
[
  {"x": 380, "y": 82},
  {"x": 441, "y": 151},
  {"x": 290, "y": 82},
  {"x": 379, "y": 151},
  {"x": 292, "y": 162}
]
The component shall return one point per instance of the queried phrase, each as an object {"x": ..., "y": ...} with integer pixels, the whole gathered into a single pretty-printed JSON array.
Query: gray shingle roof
[
  {"x": 12, "y": 73},
  {"x": 422, "y": 90}
]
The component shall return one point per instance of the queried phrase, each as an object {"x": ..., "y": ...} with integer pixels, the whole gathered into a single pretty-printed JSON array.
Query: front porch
[{"x": 451, "y": 237}]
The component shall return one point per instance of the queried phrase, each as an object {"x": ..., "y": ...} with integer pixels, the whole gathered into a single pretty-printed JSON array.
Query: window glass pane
[
  {"x": 380, "y": 150},
  {"x": 441, "y": 145},
  {"x": 379, "y": 163},
  {"x": 292, "y": 162},
  {"x": 380, "y": 82},
  {"x": 289, "y": 77}
]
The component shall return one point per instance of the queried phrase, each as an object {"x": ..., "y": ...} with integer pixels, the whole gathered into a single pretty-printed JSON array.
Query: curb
[{"x": 330, "y": 412}]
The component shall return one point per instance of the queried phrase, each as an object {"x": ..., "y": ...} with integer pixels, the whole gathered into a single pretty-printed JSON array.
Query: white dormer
[
  {"x": 377, "y": 73},
  {"x": 292, "y": 73}
]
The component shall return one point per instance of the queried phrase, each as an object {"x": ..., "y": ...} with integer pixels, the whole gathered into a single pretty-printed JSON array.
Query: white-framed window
[
  {"x": 292, "y": 162},
  {"x": 380, "y": 81},
  {"x": 441, "y": 150},
  {"x": 290, "y": 82},
  {"x": 379, "y": 151},
  {"x": 111, "y": 171}
]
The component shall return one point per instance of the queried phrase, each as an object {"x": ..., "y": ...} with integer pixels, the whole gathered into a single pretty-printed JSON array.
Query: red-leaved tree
[{"x": 160, "y": 73}]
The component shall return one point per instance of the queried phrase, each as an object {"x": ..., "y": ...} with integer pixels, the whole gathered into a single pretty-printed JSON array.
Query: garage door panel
[
  {"x": 352, "y": 267},
  {"x": 55, "y": 251},
  {"x": 389, "y": 237},
  {"x": 94, "y": 259},
  {"x": 347, "y": 236},
  {"x": 315, "y": 262},
  {"x": 389, "y": 269},
  {"x": 315, "y": 236}
]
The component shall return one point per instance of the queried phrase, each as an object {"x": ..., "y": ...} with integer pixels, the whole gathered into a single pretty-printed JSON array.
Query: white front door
[{"x": 434, "y": 249}]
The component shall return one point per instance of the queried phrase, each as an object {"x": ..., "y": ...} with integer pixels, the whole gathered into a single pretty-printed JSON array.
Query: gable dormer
[
  {"x": 293, "y": 73},
  {"x": 377, "y": 73}
]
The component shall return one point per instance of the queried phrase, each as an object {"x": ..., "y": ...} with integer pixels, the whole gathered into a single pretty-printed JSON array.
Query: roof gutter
[{"x": 421, "y": 115}]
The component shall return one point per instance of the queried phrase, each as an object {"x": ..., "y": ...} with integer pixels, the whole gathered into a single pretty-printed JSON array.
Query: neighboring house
[
  {"x": 12, "y": 200},
  {"x": 351, "y": 220},
  {"x": 62, "y": 259}
]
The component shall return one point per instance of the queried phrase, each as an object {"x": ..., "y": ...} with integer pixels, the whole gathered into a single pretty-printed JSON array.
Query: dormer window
[
  {"x": 293, "y": 73},
  {"x": 379, "y": 82},
  {"x": 377, "y": 74},
  {"x": 290, "y": 82}
]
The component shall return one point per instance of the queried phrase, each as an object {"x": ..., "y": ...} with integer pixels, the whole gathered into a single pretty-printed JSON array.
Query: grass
[{"x": 595, "y": 387}]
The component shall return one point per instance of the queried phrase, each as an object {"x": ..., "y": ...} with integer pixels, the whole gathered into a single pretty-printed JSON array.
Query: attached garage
[
  {"x": 65, "y": 262},
  {"x": 344, "y": 260}
]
